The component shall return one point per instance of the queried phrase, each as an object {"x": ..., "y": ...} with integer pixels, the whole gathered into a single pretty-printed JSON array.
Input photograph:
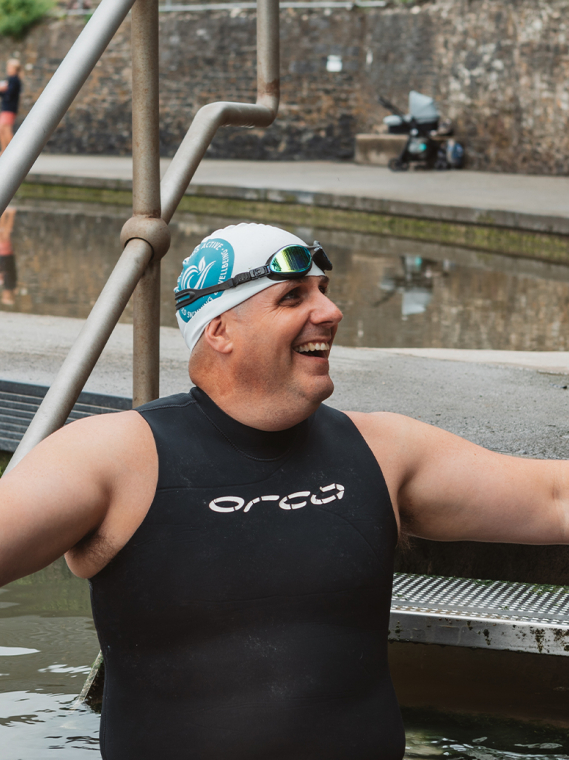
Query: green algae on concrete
[
  {"x": 524, "y": 243},
  {"x": 74, "y": 193}
]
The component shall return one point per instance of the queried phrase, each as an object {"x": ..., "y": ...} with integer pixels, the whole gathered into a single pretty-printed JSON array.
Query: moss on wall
[{"x": 537, "y": 245}]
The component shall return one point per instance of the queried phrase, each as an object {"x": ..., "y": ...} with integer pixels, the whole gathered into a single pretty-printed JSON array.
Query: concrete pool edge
[
  {"x": 550, "y": 362},
  {"x": 534, "y": 236}
]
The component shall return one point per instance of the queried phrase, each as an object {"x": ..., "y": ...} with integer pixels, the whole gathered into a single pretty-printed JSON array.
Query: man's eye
[{"x": 291, "y": 295}]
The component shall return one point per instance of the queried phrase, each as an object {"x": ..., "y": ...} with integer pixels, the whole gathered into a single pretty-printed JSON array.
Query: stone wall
[{"x": 498, "y": 67}]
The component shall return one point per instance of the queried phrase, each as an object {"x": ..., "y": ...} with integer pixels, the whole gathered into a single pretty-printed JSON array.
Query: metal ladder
[{"x": 145, "y": 236}]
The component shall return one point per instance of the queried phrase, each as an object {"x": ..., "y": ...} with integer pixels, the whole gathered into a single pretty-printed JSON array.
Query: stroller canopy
[{"x": 422, "y": 108}]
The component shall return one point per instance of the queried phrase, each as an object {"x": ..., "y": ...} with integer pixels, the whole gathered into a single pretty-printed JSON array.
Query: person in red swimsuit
[{"x": 10, "y": 90}]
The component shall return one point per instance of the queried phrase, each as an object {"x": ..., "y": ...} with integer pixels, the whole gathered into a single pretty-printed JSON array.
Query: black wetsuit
[{"x": 247, "y": 617}]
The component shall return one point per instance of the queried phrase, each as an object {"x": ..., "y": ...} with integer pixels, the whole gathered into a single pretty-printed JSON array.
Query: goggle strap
[
  {"x": 189, "y": 295},
  {"x": 320, "y": 257}
]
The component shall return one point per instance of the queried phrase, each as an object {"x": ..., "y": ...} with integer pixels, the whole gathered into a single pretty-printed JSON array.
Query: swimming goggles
[{"x": 288, "y": 263}]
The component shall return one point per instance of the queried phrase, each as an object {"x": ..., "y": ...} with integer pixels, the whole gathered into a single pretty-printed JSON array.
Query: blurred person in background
[
  {"x": 10, "y": 89},
  {"x": 7, "y": 258}
]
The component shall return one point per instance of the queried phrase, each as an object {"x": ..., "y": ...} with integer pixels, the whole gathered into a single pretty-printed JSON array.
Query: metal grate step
[
  {"x": 483, "y": 614},
  {"x": 20, "y": 401}
]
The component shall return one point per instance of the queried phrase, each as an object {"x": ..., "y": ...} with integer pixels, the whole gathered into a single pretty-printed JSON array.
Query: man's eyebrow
[
  {"x": 324, "y": 279},
  {"x": 290, "y": 285}
]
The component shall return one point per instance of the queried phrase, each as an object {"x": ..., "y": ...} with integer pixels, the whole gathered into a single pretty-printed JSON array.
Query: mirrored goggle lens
[{"x": 292, "y": 259}]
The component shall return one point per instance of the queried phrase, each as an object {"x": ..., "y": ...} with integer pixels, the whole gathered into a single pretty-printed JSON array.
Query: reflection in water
[
  {"x": 432, "y": 734},
  {"x": 415, "y": 301},
  {"x": 47, "y": 643},
  {"x": 35, "y": 725},
  {"x": 393, "y": 292},
  {"x": 7, "y": 258},
  {"x": 415, "y": 286}
]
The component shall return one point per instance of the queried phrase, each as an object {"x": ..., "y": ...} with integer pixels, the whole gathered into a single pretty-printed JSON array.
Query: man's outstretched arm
[
  {"x": 448, "y": 489},
  {"x": 83, "y": 480}
]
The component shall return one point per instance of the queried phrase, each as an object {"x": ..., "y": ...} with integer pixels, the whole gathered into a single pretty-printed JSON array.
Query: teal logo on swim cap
[{"x": 211, "y": 263}]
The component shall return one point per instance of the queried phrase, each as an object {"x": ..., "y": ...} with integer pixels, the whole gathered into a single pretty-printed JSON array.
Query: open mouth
[{"x": 317, "y": 349}]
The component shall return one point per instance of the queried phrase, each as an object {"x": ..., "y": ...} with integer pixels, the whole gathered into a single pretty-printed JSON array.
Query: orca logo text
[{"x": 295, "y": 500}]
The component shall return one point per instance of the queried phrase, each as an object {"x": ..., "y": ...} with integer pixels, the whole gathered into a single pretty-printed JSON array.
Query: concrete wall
[{"x": 498, "y": 67}]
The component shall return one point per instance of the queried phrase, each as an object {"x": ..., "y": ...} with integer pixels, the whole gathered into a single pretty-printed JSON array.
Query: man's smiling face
[{"x": 281, "y": 340}]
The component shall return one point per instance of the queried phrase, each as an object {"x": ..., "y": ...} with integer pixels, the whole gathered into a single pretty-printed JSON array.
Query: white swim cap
[{"x": 221, "y": 255}]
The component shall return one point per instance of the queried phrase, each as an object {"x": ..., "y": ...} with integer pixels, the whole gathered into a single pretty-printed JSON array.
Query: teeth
[{"x": 306, "y": 347}]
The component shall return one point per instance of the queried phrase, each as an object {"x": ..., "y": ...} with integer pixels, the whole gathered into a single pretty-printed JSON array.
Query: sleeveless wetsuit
[{"x": 247, "y": 617}]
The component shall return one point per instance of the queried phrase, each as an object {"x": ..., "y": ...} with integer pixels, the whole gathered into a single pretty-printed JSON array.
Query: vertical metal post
[{"x": 146, "y": 195}]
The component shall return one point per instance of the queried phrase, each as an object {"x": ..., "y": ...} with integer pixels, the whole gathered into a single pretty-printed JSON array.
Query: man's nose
[{"x": 326, "y": 310}]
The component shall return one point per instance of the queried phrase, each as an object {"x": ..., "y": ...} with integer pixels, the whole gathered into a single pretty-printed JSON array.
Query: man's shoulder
[
  {"x": 103, "y": 432},
  {"x": 98, "y": 449},
  {"x": 387, "y": 428},
  {"x": 176, "y": 401},
  {"x": 379, "y": 419}
]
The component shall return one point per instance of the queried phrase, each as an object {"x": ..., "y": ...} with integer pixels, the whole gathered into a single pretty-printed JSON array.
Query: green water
[
  {"x": 48, "y": 642},
  {"x": 432, "y": 734}
]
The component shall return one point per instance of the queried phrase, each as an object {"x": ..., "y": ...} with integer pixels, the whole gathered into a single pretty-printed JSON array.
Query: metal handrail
[{"x": 138, "y": 266}]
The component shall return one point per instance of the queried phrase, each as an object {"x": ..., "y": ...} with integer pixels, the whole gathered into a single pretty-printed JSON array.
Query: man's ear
[{"x": 217, "y": 335}]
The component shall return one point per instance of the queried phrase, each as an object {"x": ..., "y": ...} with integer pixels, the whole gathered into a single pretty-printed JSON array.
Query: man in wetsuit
[{"x": 239, "y": 539}]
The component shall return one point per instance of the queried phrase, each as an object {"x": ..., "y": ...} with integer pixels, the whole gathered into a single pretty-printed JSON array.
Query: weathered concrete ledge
[
  {"x": 508, "y": 232},
  {"x": 378, "y": 149}
]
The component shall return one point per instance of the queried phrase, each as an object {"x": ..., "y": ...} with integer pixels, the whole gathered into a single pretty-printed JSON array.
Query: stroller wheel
[{"x": 397, "y": 165}]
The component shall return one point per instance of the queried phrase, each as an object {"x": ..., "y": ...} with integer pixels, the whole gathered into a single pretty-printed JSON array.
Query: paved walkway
[{"x": 547, "y": 196}]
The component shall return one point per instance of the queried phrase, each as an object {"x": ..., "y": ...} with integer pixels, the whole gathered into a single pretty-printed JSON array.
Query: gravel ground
[{"x": 510, "y": 409}]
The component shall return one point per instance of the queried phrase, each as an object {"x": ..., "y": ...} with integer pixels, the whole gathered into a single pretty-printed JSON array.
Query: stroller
[{"x": 430, "y": 144}]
